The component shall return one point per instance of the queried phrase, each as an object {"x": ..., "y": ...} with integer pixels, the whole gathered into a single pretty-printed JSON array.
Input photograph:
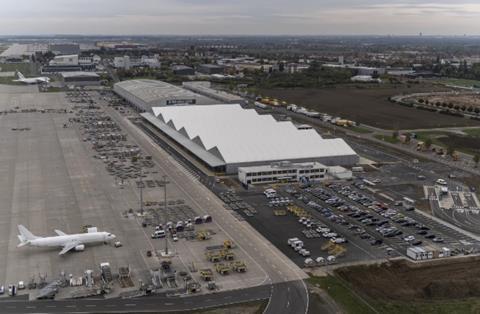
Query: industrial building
[
  {"x": 182, "y": 70},
  {"x": 145, "y": 94},
  {"x": 127, "y": 62},
  {"x": 80, "y": 78},
  {"x": 226, "y": 137},
  {"x": 204, "y": 88},
  {"x": 282, "y": 172},
  {"x": 210, "y": 69},
  {"x": 64, "y": 48},
  {"x": 69, "y": 63}
]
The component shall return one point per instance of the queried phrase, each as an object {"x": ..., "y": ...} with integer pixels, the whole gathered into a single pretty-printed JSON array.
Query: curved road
[{"x": 285, "y": 298}]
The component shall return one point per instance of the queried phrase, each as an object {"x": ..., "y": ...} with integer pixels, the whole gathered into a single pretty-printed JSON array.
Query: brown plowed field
[
  {"x": 369, "y": 106},
  {"x": 405, "y": 281}
]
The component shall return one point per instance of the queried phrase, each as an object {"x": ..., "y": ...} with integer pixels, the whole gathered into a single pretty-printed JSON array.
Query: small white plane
[
  {"x": 32, "y": 80},
  {"x": 66, "y": 241}
]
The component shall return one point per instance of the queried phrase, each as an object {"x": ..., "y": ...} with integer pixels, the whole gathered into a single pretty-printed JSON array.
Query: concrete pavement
[{"x": 277, "y": 267}]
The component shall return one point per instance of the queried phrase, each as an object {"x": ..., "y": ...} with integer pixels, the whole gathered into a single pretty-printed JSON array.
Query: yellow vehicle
[
  {"x": 214, "y": 256},
  {"x": 206, "y": 274},
  {"x": 227, "y": 255},
  {"x": 222, "y": 269},
  {"x": 203, "y": 235},
  {"x": 239, "y": 266}
]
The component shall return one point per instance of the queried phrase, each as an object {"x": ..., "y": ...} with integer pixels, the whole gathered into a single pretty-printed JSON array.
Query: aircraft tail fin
[
  {"x": 20, "y": 75},
  {"x": 25, "y": 234}
]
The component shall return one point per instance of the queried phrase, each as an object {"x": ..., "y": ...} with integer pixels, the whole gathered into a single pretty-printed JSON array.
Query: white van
[
  {"x": 441, "y": 182},
  {"x": 297, "y": 245},
  {"x": 292, "y": 240},
  {"x": 331, "y": 259},
  {"x": 270, "y": 193},
  {"x": 158, "y": 234}
]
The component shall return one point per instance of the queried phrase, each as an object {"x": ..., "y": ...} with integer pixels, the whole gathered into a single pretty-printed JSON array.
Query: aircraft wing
[
  {"x": 60, "y": 232},
  {"x": 68, "y": 246}
]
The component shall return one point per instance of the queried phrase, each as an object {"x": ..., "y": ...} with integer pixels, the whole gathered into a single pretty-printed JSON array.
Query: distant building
[
  {"x": 145, "y": 94},
  {"x": 360, "y": 70},
  {"x": 365, "y": 79},
  {"x": 182, "y": 70},
  {"x": 80, "y": 78},
  {"x": 127, "y": 62},
  {"x": 64, "y": 49},
  {"x": 69, "y": 63},
  {"x": 210, "y": 69},
  {"x": 120, "y": 46},
  {"x": 204, "y": 88},
  {"x": 64, "y": 60},
  {"x": 295, "y": 67}
]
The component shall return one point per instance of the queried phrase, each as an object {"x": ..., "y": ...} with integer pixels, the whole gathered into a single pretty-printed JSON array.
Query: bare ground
[{"x": 369, "y": 105}]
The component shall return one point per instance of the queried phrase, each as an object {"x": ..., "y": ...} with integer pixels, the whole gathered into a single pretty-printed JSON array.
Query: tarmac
[{"x": 50, "y": 180}]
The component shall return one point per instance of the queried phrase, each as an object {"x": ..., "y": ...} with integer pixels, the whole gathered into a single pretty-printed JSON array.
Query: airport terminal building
[
  {"x": 146, "y": 94},
  {"x": 226, "y": 137}
]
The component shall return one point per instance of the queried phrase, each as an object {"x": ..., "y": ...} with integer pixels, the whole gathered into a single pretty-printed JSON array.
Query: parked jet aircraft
[
  {"x": 66, "y": 241},
  {"x": 32, "y": 80}
]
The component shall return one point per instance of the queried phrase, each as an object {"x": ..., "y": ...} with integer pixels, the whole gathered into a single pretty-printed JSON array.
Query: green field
[
  {"x": 459, "y": 82},
  {"x": 341, "y": 294},
  {"x": 473, "y": 132},
  {"x": 359, "y": 129},
  {"x": 468, "y": 143},
  {"x": 387, "y": 138}
]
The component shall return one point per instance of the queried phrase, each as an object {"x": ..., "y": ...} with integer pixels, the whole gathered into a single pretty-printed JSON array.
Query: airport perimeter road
[
  {"x": 277, "y": 267},
  {"x": 288, "y": 297},
  {"x": 153, "y": 304}
]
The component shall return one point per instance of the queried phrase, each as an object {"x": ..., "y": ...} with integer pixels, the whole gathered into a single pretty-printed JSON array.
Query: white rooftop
[
  {"x": 154, "y": 92},
  {"x": 79, "y": 74},
  {"x": 240, "y": 135}
]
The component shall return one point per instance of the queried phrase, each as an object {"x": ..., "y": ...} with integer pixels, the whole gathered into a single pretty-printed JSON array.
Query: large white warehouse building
[
  {"x": 145, "y": 94},
  {"x": 225, "y": 137}
]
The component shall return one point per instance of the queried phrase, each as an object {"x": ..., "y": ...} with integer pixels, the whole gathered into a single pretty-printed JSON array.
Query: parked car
[{"x": 376, "y": 242}]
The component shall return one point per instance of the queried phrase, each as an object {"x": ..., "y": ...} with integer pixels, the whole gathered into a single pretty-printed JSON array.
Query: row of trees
[
  {"x": 314, "y": 76},
  {"x": 451, "y": 105}
]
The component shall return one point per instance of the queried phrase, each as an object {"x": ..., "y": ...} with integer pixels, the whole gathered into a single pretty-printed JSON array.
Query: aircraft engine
[{"x": 80, "y": 247}]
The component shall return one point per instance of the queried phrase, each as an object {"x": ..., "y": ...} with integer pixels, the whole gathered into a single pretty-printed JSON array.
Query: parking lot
[
  {"x": 348, "y": 222},
  {"x": 281, "y": 222},
  {"x": 394, "y": 222}
]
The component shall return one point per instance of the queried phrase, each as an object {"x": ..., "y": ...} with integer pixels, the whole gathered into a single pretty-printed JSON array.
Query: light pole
[
  {"x": 141, "y": 191},
  {"x": 165, "y": 182},
  {"x": 165, "y": 207}
]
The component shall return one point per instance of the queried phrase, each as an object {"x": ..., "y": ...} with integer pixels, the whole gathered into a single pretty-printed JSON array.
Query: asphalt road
[{"x": 154, "y": 303}]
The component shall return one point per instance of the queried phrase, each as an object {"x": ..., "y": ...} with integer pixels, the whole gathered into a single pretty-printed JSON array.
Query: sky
[{"x": 240, "y": 17}]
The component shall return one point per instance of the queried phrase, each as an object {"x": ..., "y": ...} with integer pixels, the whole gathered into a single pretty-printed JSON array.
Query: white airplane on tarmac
[
  {"x": 32, "y": 80},
  {"x": 66, "y": 241}
]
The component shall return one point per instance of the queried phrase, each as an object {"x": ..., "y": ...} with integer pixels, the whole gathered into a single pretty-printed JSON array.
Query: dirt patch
[
  {"x": 369, "y": 105},
  {"x": 406, "y": 281}
]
